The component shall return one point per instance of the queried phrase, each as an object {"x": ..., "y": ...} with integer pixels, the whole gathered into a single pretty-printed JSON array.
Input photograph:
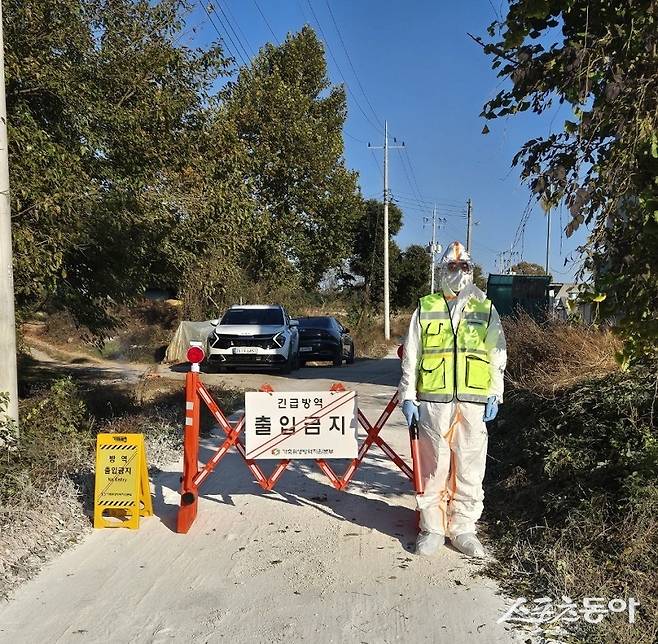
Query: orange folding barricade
[{"x": 194, "y": 475}]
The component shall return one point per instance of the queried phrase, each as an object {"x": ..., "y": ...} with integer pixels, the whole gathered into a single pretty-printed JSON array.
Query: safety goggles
[{"x": 465, "y": 267}]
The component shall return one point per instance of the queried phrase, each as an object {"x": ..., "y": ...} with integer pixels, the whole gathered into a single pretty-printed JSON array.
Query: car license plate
[
  {"x": 306, "y": 348},
  {"x": 245, "y": 350}
]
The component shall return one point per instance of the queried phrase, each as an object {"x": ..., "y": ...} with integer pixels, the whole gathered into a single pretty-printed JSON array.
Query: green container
[{"x": 511, "y": 293}]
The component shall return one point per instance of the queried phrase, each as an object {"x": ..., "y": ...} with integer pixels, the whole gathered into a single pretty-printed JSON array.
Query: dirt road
[{"x": 304, "y": 563}]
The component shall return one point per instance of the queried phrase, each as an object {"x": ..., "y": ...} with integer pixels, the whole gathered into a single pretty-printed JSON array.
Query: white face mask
[{"x": 455, "y": 280}]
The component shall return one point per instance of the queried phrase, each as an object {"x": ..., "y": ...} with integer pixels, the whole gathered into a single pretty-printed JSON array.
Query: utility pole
[
  {"x": 469, "y": 224},
  {"x": 8, "y": 375},
  {"x": 387, "y": 302},
  {"x": 434, "y": 246},
  {"x": 499, "y": 262},
  {"x": 433, "y": 249},
  {"x": 548, "y": 243}
]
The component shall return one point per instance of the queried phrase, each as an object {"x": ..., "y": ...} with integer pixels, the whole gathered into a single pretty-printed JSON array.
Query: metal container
[{"x": 513, "y": 293}]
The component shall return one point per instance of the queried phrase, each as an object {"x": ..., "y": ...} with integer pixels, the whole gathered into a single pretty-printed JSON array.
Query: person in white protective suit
[{"x": 452, "y": 383}]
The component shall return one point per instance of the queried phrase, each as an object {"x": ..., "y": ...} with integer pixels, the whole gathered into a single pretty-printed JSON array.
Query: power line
[
  {"x": 433, "y": 201},
  {"x": 379, "y": 167},
  {"x": 226, "y": 31},
  {"x": 413, "y": 185},
  {"x": 237, "y": 24},
  {"x": 331, "y": 53},
  {"x": 404, "y": 206},
  {"x": 406, "y": 173},
  {"x": 484, "y": 248},
  {"x": 228, "y": 22},
  {"x": 429, "y": 204},
  {"x": 351, "y": 136},
  {"x": 266, "y": 22},
  {"x": 349, "y": 60},
  {"x": 413, "y": 174},
  {"x": 221, "y": 37},
  {"x": 448, "y": 212},
  {"x": 519, "y": 235}
]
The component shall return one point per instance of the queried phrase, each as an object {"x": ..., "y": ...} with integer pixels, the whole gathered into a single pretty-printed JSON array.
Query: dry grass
[
  {"x": 45, "y": 521},
  {"x": 46, "y": 500},
  {"x": 369, "y": 335},
  {"x": 547, "y": 357}
]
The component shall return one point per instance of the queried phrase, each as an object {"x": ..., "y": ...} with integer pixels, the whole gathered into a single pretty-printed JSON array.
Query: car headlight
[{"x": 279, "y": 339}]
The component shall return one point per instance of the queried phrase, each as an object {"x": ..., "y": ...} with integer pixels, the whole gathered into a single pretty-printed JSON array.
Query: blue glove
[
  {"x": 491, "y": 410},
  {"x": 410, "y": 411}
]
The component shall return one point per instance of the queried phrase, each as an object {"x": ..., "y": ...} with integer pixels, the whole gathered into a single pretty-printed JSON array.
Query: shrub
[
  {"x": 572, "y": 490},
  {"x": 56, "y": 437}
]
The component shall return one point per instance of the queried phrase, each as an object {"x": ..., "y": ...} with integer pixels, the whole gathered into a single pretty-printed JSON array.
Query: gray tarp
[{"x": 188, "y": 332}]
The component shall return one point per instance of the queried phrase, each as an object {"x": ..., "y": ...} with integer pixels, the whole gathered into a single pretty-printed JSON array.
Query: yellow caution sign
[{"x": 122, "y": 492}]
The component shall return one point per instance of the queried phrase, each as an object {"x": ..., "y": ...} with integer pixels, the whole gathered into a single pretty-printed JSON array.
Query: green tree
[
  {"x": 412, "y": 277},
  {"x": 107, "y": 119},
  {"x": 528, "y": 268},
  {"x": 599, "y": 58},
  {"x": 289, "y": 118},
  {"x": 479, "y": 279},
  {"x": 368, "y": 248}
]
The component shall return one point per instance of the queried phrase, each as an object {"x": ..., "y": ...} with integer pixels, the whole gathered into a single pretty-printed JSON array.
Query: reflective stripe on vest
[{"x": 453, "y": 362}]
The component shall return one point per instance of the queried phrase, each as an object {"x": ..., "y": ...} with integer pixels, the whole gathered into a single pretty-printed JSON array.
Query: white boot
[
  {"x": 468, "y": 544},
  {"x": 428, "y": 543}
]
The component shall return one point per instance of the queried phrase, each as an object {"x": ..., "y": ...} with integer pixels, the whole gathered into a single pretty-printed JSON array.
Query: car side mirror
[
  {"x": 214, "y": 322},
  {"x": 294, "y": 322}
]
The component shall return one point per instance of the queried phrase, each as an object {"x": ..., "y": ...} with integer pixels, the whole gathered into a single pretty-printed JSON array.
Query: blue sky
[{"x": 422, "y": 73}]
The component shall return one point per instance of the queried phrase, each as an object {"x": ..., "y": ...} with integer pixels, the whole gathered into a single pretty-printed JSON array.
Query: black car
[{"x": 324, "y": 338}]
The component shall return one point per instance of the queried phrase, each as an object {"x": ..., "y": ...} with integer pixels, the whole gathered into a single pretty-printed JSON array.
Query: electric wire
[
  {"x": 409, "y": 173},
  {"x": 349, "y": 60},
  {"x": 376, "y": 160},
  {"x": 450, "y": 211},
  {"x": 520, "y": 229},
  {"x": 229, "y": 23},
  {"x": 219, "y": 34},
  {"x": 455, "y": 211},
  {"x": 227, "y": 32},
  {"x": 426, "y": 209},
  {"x": 413, "y": 173},
  {"x": 237, "y": 24},
  {"x": 406, "y": 173},
  {"x": 347, "y": 87},
  {"x": 351, "y": 136},
  {"x": 442, "y": 202},
  {"x": 266, "y": 22}
]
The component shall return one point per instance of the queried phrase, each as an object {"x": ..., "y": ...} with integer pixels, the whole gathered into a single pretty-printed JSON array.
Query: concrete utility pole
[
  {"x": 433, "y": 249},
  {"x": 548, "y": 243},
  {"x": 469, "y": 225},
  {"x": 387, "y": 303},
  {"x": 8, "y": 376}
]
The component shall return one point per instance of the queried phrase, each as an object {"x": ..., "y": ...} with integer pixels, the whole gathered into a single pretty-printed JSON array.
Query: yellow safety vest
[{"x": 454, "y": 362}]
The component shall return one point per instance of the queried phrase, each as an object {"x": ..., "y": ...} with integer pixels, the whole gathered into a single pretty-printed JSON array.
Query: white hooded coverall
[{"x": 452, "y": 436}]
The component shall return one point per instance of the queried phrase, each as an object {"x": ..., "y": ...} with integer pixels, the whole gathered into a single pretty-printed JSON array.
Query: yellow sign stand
[{"x": 122, "y": 492}]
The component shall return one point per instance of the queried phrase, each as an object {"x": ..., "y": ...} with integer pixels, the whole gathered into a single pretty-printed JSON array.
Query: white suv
[{"x": 255, "y": 335}]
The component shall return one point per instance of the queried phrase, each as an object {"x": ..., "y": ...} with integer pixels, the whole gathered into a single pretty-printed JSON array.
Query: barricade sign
[
  {"x": 195, "y": 473},
  {"x": 122, "y": 492},
  {"x": 299, "y": 425}
]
